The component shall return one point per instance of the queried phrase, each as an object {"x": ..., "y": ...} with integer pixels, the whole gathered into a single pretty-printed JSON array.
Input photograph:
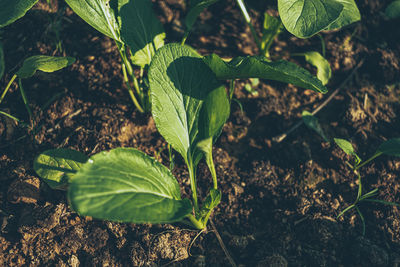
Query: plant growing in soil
[
  {"x": 390, "y": 147},
  {"x": 29, "y": 67}
]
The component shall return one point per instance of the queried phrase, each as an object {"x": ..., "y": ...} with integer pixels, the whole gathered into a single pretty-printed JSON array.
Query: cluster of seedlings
[{"x": 186, "y": 95}]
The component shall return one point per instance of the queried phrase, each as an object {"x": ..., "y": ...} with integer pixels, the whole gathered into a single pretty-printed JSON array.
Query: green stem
[
  {"x": 7, "y": 87},
  {"x": 210, "y": 163},
  {"x": 368, "y": 160},
  {"x": 323, "y": 47},
  {"x": 195, "y": 222},
  {"x": 193, "y": 184},
  {"x": 231, "y": 89},
  {"x": 359, "y": 193},
  {"x": 25, "y": 99},
  {"x": 185, "y": 37},
  {"x": 248, "y": 21},
  {"x": 130, "y": 90}
]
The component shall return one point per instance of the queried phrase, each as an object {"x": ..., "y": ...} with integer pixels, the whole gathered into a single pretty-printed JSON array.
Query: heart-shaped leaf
[
  {"x": 43, "y": 63},
  {"x": 304, "y": 18},
  {"x": 179, "y": 84},
  {"x": 11, "y": 10},
  {"x": 54, "y": 165},
  {"x": 98, "y": 14},
  {"x": 349, "y": 14},
  {"x": 260, "y": 67},
  {"x": 126, "y": 185},
  {"x": 140, "y": 29}
]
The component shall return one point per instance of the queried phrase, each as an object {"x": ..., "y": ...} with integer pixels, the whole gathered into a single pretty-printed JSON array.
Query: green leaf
[
  {"x": 43, "y": 63},
  {"x": 393, "y": 10},
  {"x": 260, "y": 67},
  {"x": 324, "y": 72},
  {"x": 212, "y": 200},
  {"x": 98, "y": 14},
  {"x": 2, "y": 65},
  {"x": 126, "y": 185},
  {"x": 271, "y": 28},
  {"x": 390, "y": 147},
  {"x": 11, "y": 10},
  {"x": 304, "y": 18},
  {"x": 179, "y": 84},
  {"x": 347, "y": 148},
  {"x": 54, "y": 165},
  {"x": 312, "y": 122},
  {"x": 349, "y": 14},
  {"x": 140, "y": 29},
  {"x": 196, "y": 7}
]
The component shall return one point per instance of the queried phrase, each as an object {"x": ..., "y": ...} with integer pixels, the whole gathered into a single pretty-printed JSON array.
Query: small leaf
[
  {"x": 212, "y": 200},
  {"x": 349, "y": 14},
  {"x": 2, "y": 65},
  {"x": 390, "y": 147},
  {"x": 43, "y": 63},
  {"x": 347, "y": 148},
  {"x": 260, "y": 67},
  {"x": 98, "y": 14},
  {"x": 126, "y": 185},
  {"x": 393, "y": 10},
  {"x": 179, "y": 84},
  {"x": 312, "y": 122},
  {"x": 304, "y": 18},
  {"x": 324, "y": 72},
  {"x": 196, "y": 7},
  {"x": 53, "y": 165},
  {"x": 11, "y": 10},
  {"x": 140, "y": 29}
]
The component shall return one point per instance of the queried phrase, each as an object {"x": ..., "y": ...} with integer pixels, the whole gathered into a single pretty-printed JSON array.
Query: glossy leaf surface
[
  {"x": 390, "y": 147},
  {"x": 43, "y": 63},
  {"x": 260, "y": 67},
  {"x": 349, "y": 14},
  {"x": 126, "y": 185},
  {"x": 11, "y": 10},
  {"x": 196, "y": 7},
  {"x": 304, "y": 18},
  {"x": 98, "y": 14},
  {"x": 324, "y": 72},
  {"x": 53, "y": 165},
  {"x": 140, "y": 29},
  {"x": 179, "y": 84}
]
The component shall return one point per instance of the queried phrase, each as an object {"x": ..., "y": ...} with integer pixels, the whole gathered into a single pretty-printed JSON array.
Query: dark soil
[{"x": 280, "y": 200}]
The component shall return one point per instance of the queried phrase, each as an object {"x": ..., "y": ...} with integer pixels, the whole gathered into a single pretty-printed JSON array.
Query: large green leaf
[
  {"x": 54, "y": 165},
  {"x": 304, "y": 18},
  {"x": 393, "y": 10},
  {"x": 196, "y": 7},
  {"x": 349, "y": 14},
  {"x": 11, "y": 10},
  {"x": 140, "y": 29},
  {"x": 390, "y": 147},
  {"x": 98, "y": 14},
  {"x": 260, "y": 67},
  {"x": 324, "y": 72},
  {"x": 43, "y": 63},
  {"x": 179, "y": 84},
  {"x": 2, "y": 65},
  {"x": 126, "y": 185}
]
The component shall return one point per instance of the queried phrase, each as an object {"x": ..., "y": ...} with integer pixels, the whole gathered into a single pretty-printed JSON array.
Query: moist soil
[{"x": 280, "y": 200}]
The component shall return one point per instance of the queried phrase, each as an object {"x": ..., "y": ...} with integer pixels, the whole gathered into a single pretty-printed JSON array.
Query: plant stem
[
  {"x": 193, "y": 185},
  {"x": 231, "y": 89},
  {"x": 195, "y": 222},
  {"x": 185, "y": 37},
  {"x": 248, "y": 21},
  {"x": 130, "y": 90},
  {"x": 210, "y": 163},
  {"x": 25, "y": 99},
  {"x": 368, "y": 160},
  {"x": 323, "y": 47},
  {"x": 7, "y": 87}
]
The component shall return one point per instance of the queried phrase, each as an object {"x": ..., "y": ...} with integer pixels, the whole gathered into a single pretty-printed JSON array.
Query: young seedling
[
  {"x": 390, "y": 147},
  {"x": 30, "y": 66}
]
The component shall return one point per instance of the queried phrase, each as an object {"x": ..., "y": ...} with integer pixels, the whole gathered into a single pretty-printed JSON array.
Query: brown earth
[{"x": 280, "y": 200}]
